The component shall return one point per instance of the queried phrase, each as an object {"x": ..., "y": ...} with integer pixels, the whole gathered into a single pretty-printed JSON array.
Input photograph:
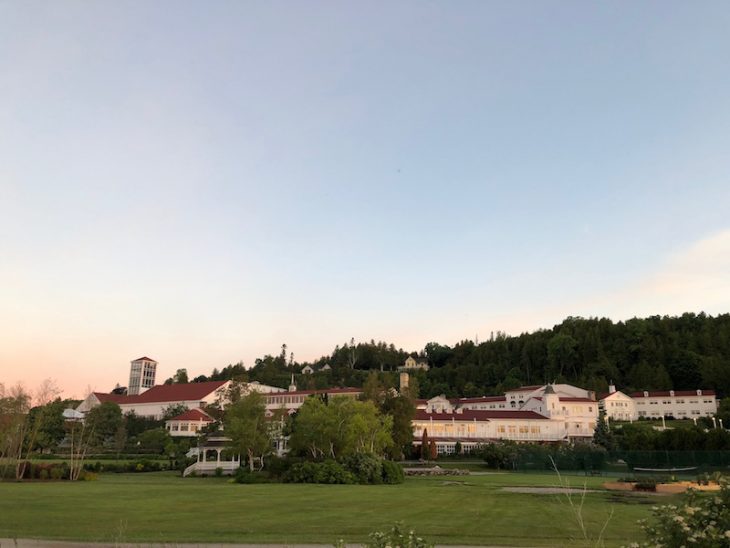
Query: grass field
[{"x": 162, "y": 507}]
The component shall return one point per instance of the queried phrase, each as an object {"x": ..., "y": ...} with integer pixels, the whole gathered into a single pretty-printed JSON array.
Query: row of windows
[
  {"x": 674, "y": 402},
  {"x": 286, "y": 399},
  {"x": 449, "y": 429},
  {"x": 183, "y": 427},
  {"x": 694, "y": 412},
  {"x": 511, "y": 429}
]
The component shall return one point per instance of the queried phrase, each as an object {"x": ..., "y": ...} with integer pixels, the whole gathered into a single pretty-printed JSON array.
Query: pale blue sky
[{"x": 202, "y": 181}]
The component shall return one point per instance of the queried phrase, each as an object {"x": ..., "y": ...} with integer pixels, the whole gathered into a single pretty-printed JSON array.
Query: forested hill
[{"x": 686, "y": 352}]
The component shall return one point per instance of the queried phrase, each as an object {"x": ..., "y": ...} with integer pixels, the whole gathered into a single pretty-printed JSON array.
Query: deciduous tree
[{"x": 245, "y": 423}]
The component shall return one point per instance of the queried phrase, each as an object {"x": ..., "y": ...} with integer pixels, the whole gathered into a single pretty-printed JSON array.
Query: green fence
[{"x": 596, "y": 461}]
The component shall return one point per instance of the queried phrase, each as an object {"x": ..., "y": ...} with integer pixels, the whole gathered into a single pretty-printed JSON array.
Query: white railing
[{"x": 228, "y": 467}]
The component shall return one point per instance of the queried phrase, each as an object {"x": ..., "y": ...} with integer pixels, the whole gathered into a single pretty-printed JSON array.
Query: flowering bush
[
  {"x": 397, "y": 537},
  {"x": 702, "y": 521}
]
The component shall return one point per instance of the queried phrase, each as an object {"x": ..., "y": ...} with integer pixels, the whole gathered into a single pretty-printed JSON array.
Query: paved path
[{"x": 31, "y": 543}]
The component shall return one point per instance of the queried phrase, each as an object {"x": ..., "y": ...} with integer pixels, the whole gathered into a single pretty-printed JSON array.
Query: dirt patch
[
  {"x": 682, "y": 486},
  {"x": 661, "y": 488}
]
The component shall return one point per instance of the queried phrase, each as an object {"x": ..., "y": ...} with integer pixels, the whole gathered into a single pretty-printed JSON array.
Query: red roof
[
  {"x": 145, "y": 358},
  {"x": 664, "y": 393},
  {"x": 577, "y": 400},
  {"x": 116, "y": 398},
  {"x": 162, "y": 393},
  {"x": 195, "y": 414},
  {"x": 478, "y": 415},
  {"x": 483, "y": 399}
]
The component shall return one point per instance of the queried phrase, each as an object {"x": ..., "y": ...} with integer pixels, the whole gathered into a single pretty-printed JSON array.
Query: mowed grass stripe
[{"x": 162, "y": 507}]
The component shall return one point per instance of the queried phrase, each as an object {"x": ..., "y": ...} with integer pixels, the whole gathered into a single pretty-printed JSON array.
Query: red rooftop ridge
[
  {"x": 194, "y": 391},
  {"x": 193, "y": 415},
  {"x": 478, "y": 415}
]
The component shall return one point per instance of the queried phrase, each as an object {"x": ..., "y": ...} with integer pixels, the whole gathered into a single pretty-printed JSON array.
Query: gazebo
[{"x": 209, "y": 457}]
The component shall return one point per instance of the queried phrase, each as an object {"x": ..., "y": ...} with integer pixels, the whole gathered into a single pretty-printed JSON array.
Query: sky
[{"x": 200, "y": 182}]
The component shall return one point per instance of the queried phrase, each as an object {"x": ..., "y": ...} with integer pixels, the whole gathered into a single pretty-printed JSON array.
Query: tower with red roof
[{"x": 141, "y": 375}]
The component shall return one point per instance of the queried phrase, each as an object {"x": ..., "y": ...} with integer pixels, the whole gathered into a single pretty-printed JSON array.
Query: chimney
[
  {"x": 403, "y": 381},
  {"x": 611, "y": 388}
]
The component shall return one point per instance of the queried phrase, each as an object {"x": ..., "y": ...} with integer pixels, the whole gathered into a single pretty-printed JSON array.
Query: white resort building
[
  {"x": 677, "y": 404},
  {"x": 537, "y": 414},
  {"x": 657, "y": 404},
  {"x": 188, "y": 424},
  {"x": 154, "y": 401}
]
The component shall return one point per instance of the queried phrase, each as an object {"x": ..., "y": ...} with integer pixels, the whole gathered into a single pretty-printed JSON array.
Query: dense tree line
[{"x": 682, "y": 353}]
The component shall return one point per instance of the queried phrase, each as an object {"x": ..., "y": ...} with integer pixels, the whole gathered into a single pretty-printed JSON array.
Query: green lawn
[{"x": 162, "y": 507}]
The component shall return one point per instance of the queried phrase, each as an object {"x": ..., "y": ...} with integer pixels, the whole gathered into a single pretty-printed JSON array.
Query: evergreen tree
[{"x": 603, "y": 435}]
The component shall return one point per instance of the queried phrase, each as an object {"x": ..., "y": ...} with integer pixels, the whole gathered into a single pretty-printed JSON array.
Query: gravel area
[{"x": 548, "y": 490}]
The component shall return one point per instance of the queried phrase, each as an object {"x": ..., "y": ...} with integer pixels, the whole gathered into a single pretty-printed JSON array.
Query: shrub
[
  {"x": 277, "y": 466},
  {"x": 397, "y": 537},
  {"x": 59, "y": 471},
  {"x": 646, "y": 484},
  {"x": 88, "y": 476},
  {"x": 318, "y": 472},
  {"x": 44, "y": 474},
  {"x": 219, "y": 472},
  {"x": 703, "y": 522},
  {"x": 392, "y": 472},
  {"x": 367, "y": 469},
  {"x": 244, "y": 475}
]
